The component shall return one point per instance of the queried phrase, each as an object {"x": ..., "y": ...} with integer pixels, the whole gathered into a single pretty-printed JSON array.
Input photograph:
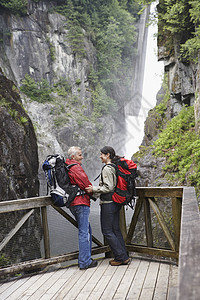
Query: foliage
[
  {"x": 15, "y": 6},
  {"x": 37, "y": 91},
  {"x": 23, "y": 120},
  {"x": 191, "y": 47},
  {"x": 62, "y": 87},
  {"x": 18, "y": 7},
  {"x": 181, "y": 19},
  {"x": 102, "y": 104},
  {"x": 4, "y": 260},
  {"x": 75, "y": 33},
  {"x": 179, "y": 143},
  {"x": 111, "y": 27},
  {"x": 162, "y": 107}
]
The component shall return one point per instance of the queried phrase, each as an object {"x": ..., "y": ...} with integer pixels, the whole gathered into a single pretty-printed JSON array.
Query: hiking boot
[
  {"x": 92, "y": 265},
  {"x": 119, "y": 263}
]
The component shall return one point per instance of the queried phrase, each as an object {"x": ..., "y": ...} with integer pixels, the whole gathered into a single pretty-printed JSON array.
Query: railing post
[
  {"x": 148, "y": 226},
  {"x": 176, "y": 213},
  {"x": 122, "y": 221},
  {"x": 46, "y": 232}
]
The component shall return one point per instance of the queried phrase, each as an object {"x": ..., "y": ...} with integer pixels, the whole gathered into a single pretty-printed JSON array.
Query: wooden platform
[{"x": 142, "y": 279}]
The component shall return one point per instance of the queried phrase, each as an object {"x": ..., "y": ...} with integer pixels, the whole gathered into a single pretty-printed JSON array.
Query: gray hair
[{"x": 72, "y": 151}]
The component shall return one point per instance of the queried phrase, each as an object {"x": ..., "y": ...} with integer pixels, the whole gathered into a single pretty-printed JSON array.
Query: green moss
[
  {"x": 4, "y": 260},
  {"x": 78, "y": 81},
  {"x": 61, "y": 120},
  {"x": 144, "y": 150},
  {"x": 52, "y": 52},
  {"x": 180, "y": 144},
  {"x": 23, "y": 120}
]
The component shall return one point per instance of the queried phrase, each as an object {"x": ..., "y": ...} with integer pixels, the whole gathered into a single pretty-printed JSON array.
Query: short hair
[{"x": 72, "y": 151}]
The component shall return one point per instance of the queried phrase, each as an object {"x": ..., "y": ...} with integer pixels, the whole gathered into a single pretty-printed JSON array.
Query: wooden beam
[
  {"x": 123, "y": 223},
  {"x": 41, "y": 263},
  {"x": 189, "y": 258},
  {"x": 28, "y": 203},
  {"x": 14, "y": 230},
  {"x": 176, "y": 217},
  {"x": 162, "y": 223},
  {"x": 71, "y": 220},
  {"x": 148, "y": 226},
  {"x": 134, "y": 219},
  {"x": 159, "y": 192},
  {"x": 46, "y": 232},
  {"x": 151, "y": 251}
]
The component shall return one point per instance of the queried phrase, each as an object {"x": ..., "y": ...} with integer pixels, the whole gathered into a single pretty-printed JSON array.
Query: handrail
[
  {"x": 146, "y": 198},
  {"x": 184, "y": 244},
  {"x": 189, "y": 257},
  {"x": 147, "y": 201}
]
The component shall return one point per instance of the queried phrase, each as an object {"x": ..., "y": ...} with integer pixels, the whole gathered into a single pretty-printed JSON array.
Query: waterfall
[{"x": 152, "y": 80}]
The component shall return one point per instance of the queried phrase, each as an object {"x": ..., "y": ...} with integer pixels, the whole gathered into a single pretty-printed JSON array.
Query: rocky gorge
[
  {"x": 48, "y": 103},
  {"x": 59, "y": 106}
]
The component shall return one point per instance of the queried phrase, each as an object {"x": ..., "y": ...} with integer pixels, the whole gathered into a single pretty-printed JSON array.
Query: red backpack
[{"x": 125, "y": 191}]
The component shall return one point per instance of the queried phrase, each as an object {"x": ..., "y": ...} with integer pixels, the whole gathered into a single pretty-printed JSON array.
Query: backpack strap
[{"x": 80, "y": 192}]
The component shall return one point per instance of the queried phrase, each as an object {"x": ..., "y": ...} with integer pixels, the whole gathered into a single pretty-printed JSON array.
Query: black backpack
[{"x": 58, "y": 183}]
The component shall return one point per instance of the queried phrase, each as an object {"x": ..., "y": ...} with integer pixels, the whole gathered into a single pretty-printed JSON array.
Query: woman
[{"x": 109, "y": 209}]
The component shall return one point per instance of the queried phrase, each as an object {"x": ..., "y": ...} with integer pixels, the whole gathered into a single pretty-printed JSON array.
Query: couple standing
[{"x": 80, "y": 208}]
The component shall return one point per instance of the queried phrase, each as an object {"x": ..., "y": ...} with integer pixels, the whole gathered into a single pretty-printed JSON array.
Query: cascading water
[{"x": 152, "y": 80}]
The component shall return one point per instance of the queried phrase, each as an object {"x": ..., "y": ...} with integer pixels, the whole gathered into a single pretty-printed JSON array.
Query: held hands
[{"x": 89, "y": 189}]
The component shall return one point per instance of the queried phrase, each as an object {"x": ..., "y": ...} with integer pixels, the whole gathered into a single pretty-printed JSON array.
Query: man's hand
[{"x": 89, "y": 189}]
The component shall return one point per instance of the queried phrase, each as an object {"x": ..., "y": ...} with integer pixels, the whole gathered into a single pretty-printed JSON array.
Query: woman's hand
[{"x": 89, "y": 189}]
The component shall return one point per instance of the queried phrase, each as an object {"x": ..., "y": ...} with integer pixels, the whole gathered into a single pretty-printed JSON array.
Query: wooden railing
[
  {"x": 182, "y": 236},
  {"x": 149, "y": 199}
]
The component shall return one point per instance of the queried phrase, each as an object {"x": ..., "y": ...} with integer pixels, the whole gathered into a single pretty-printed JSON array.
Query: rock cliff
[
  {"x": 18, "y": 171},
  {"x": 181, "y": 88},
  {"x": 38, "y": 44}
]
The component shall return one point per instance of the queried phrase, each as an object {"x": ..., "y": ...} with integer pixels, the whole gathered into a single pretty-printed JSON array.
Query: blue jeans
[
  {"x": 81, "y": 214},
  {"x": 111, "y": 230}
]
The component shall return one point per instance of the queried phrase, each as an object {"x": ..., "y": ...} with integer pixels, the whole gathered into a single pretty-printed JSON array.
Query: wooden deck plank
[
  {"x": 141, "y": 279},
  {"x": 69, "y": 284},
  {"x": 8, "y": 292},
  {"x": 57, "y": 285},
  {"x": 138, "y": 281},
  {"x": 52, "y": 278},
  {"x": 36, "y": 284},
  {"x": 79, "y": 285},
  {"x": 114, "y": 282},
  {"x": 161, "y": 288},
  {"x": 125, "y": 284},
  {"x": 150, "y": 281},
  {"x": 6, "y": 285},
  {"x": 103, "y": 282},
  {"x": 173, "y": 283},
  {"x": 88, "y": 288},
  {"x": 20, "y": 291}
]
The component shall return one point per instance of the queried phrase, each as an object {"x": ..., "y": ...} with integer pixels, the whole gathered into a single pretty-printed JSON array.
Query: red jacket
[{"x": 78, "y": 176}]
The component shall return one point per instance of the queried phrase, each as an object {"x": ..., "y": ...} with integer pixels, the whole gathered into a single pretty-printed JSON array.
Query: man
[{"x": 80, "y": 208}]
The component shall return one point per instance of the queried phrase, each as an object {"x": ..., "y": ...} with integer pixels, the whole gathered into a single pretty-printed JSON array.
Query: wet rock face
[
  {"x": 18, "y": 174},
  {"x": 18, "y": 147}
]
